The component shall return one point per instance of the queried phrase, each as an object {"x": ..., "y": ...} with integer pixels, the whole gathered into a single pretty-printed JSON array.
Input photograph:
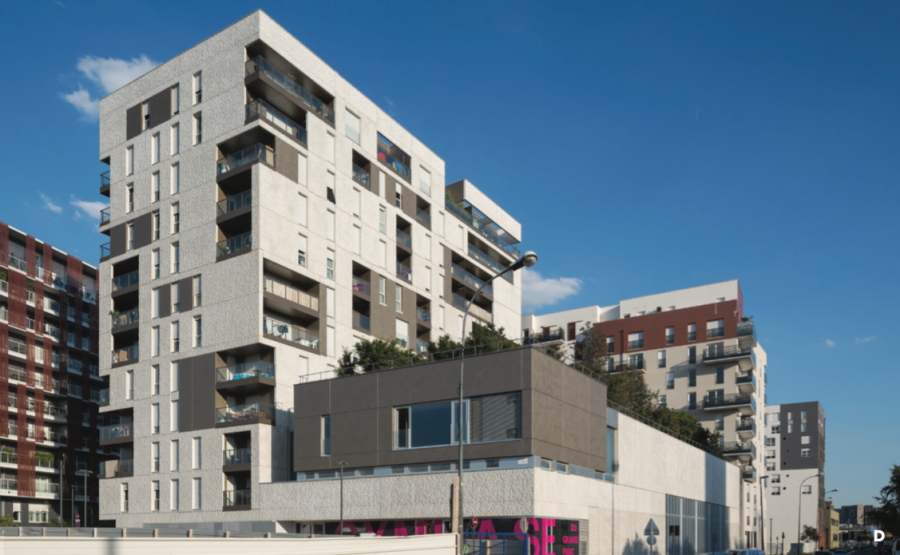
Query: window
[
  {"x": 301, "y": 169},
  {"x": 661, "y": 359},
  {"x": 382, "y": 219},
  {"x": 176, "y": 258},
  {"x": 154, "y": 379},
  {"x": 329, "y": 225},
  {"x": 806, "y": 489},
  {"x": 636, "y": 340},
  {"x": 154, "y": 457},
  {"x": 196, "y": 492},
  {"x": 329, "y": 265},
  {"x": 176, "y": 218},
  {"x": 692, "y": 378},
  {"x": 610, "y": 344},
  {"x": 670, "y": 335},
  {"x": 145, "y": 116},
  {"x": 173, "y": 455},
  {"x": 790, "y": 428},
  {"x": 326, "y": 435},
  {"x": 123, "y": 498},
  {"x": 129, "y": 235},
  {"x": 398, "y": 200},
  {"x": 175, "y": 295},
  {"x": 381, "y": 298},
  {"x": 720, "y": 374},
  {"x": 424, "y": 181},
  {"x": 301, "y": 210},
  {"x": 129, "y": 385},
  {"x": 174, "y": 375},
  {"x": 198, "y": 291},
  {"x": 329, "y": 188},
  {"x": 173, "y": 416},
  {"x": 301, "y": 251},
  {"x": 398, "y": 298},
  {"x": 662, "y": 401},
  {"x": 351, "y": 127},
  {"x": 198, "y": 87},
  {"x": 196, "y": 460},
  {"x": 154, "y": 149},
  {"x": 198, "y": 331},
  {"x": 670, "y": 380},
  {"x": 692, "y": 355},
  {"x": 173, "y": 495},
  {"x": 154, "y": 341},
  {"x": 802, "y": 427},
  {"x": 174, "y": 140},
  {"x": 129, "y": 160},
  {"x": 692, "y": 332},
  {"x": 175, "y": 179},
  {"x": 803, "y": 415},
  {"x": 692, "y": 400},
  {"x": 176, "y": 339},
  {"x": 154, "y": 187},
  {"x": 154, "y": 418},
  {"x": 176, "y": 99},
  {"x": 154, "y": 493},
  {"x": 720, "y": 425},
  {"x": 329, "y": 148},
  {"x": 155, "y": 223},
  {"x": 198, "y": 128},
  {"x": 715, "y": 328},
  {"x": 155, "y": 257},
  {"x": 484, "y": 419}
]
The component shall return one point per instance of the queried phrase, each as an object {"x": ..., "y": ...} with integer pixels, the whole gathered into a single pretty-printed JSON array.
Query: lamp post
[
  {"x": 762, "y": 506},
  {"x": 86, "y": 472},
  {"x": 799, "y": 503},
  {"x": 62, "y": 490},
  {"x": 528, "y": 260},
  {"x": 341, "y": 529}
]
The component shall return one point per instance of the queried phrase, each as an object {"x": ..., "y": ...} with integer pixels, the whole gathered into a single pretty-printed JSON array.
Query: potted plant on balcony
[{"x": 45, "y": 457}]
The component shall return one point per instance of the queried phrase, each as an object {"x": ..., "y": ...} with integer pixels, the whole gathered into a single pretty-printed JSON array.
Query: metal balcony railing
[
  {"x": 245, "y": 156},
  {"x": 290, "y": 333},
  {"x": 471, "y": 279},
  {"x": 712, "y": 333},
  {"x": 636, "y": 344},
  {"x": 730, "y": 399},
  {"x": 746, "y": 329},
  {"x": 234, "y": 244},
  {"x": 362, "y": 321},
  {"x": 236, "y": 202},
  {"x": 481, "y": 228},
  {"x": 124, "y": 318},
  {"x": 738, "y": 447},
  {"x": 260, "y": 64},
  {"x": 727, "y": 352},
  {"x": 745, "y": 425},
  {"x": 248, "y": 412},
  {"x": 266, "y": 111},
  {"x": 245, "y": 370},
  {"x": 237, "y": 456}
]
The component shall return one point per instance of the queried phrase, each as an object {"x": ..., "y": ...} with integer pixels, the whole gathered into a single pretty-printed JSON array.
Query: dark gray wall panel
[
  {"x": 132, "y": 122},
  {"x": 143, "y": 230},
  {"x": 117, "y": 240}
]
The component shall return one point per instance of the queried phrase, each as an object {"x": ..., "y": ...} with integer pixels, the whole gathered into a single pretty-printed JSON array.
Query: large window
[
  {"x": 715, "y": 328},
  {"x": 484, "y": 419},
  {"x": 326, "y": 436}
]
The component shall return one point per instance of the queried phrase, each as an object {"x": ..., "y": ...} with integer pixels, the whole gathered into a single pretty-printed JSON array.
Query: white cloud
[
  {"x": 108, "y": 75},
  {"x": 829, "y": 343},
  {"x": 91, "y": 209},
  {"x": 538, "y": 291},
  {"x": 864, "y": 339},
  {"x": 49, "y": 205}
]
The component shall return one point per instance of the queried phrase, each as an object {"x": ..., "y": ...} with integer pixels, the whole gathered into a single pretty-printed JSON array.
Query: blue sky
[{"x": 644, "y": 146}]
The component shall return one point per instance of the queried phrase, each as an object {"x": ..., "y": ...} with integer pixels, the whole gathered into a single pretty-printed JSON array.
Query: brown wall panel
[
  {"x": 4, "y": 379},
  {"x": 197, "y": 382},
  {"x": 165, "y": 301},
  {"x": 48, "y": 264},
  {"x": 186, "y": 294},
  {"x": 286, "y": 159},
  {"x": 4, "y": 244}
]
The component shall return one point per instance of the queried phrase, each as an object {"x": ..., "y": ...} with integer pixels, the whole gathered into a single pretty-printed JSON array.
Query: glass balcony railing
[
  {"x": 362, "y": 321},
  {"x": 470, "y": 278},
  {"x": 423, "y": 314},
  {"x": 404, "y": 272},
  {"x": 234, "y": 244},
  {"x": 739, "y": 447},
  {"x": 290, "y": 293},
  {"x": 116, "y": 431},
  {"x": 712, "y": 333},
  {"x": 260, "y": 64},
  {"x": 290, "y": 333},
  {"x": 125, "y": 354},
  {"x": 125, "y": 318},
  {"x": 746, "y": 329},
  {"x": 126, "y": 280},
  {"x": 361, "y": 286},
  {"x": 104, "y": 179},
  {"x": 245, "y": 370},
  {"x": 361, "y": 175},
  {"x": 393, "y": 162},
  {"x": 236, "y": 498},
  {"x": 484, "y": 230},
  {"x": 266, "y": 111},
  {"x": 250, "y": 154},
  {"x": 234, "y": 203},
  {"x": 558, "y": 334},
  {"x": 104, "y": 396},
  {"x": 125, "y": 466},
  {"x": 480, "y": 256},
  {"x": 423, "y": 217},
  {"x": 237, "y": 456},
  {"x": 474, "y": 310},
  {"x": 104, "y": 216},
  {"x": 18, "y": 263},
  {"x": 421, "y": 346},
  {"x": 404, "y": 239},
  {"x": 248, "y": 412},
  {"x": 104, "y": 250}
]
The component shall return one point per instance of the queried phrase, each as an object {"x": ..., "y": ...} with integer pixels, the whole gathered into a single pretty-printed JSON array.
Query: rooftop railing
[
  {"x": 481, "y": 228},
  {"x": 245, "y": 370},
  {"x": 471, "y": 279},
  {"x": 125, "y": 318},
  {"x": 236, "y": 202},
  {"x": 291, "y": 333},
  {"x": 362, "y": 176},
  {"x": 234, "y": 244},
  {"x": 290, "y": 293},
  {"x": 266, "y": 111},
  {"x": 248, "y": 412},
  {"x": 126, "y": 280},
  {"x": 237, "y": 456},
  {"x": 260, "y": 64}
]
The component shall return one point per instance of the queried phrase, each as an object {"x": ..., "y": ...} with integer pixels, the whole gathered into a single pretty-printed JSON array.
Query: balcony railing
[
  {"x": 746, "y": 329},
  {"x": 104, "y": 396},
  {"x": 393, "y": 162},
  {"x": 124, "y": 318},
  {"x": 244, "y": 370},
  {"x": 236, "y": 498},
  {"x": 125, "y": 466},
  {"x": 745, "y": 425},
  {"x": 290, "y": 293},
  {"x": 290, "y": 333},
  {"x": 616, "y": 366},
  {"x": 18, "y": 263},
  {"x": 728, "y": 352},
  {"x": 104, "y": 251},
  {"x": 116, "y": 431},
  {"x": 636, "y": 344},
  {"x": 104, "y": 216},
  {"x": 423, "y": 314},
  {"x": 234, "y": 244},
  {"x": 712, "y": 333},
  {"x": 124, "y": 354},
  {"x": 236, "y": 202},
  {"x": 104, "y": 179},
  {"x": 361, "y": 286},
  {"x": 484, "y": 230},
  {"x": 423, "y": 217},
  {"x": 748, "y": 473},
  {"x": 475, "y": 310},
  {"x": 237, "y": 456},
  {"x": 404, "y": 239},
  {"x": 728, "y": 400},
  {"x": 250, "y": 154},
  {"x": 126, "y": 280},
  {"x": 558, "y": 334},
  {"x": 362, "y": 176},
  {"x": 13, "y": 458},
  {"x": 738, "y": 447},
  {"x": 421, "y": 346},
  {"x": 248, "y": 412},
  {"x": 260, "y": 64},
  {"x": 266, "y": 111},
  {"x": 362, "y": 321},
  {"x": 471, "y": 279},
  {"x": 404, "y": 271},
  {"x": 746, "y": 378},
  {"x": 480, "y": 256}
]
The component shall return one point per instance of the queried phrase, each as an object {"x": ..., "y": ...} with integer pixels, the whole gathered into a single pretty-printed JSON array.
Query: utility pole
[
  {"x": 341, "y": 529},
  {"x": 86, "y": 472},
  {"x": 62, "y": 490}
]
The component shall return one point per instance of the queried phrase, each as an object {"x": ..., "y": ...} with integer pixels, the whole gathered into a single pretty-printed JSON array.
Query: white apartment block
[
  {"x": 264, "y": 217},
  {"x": 696, "y": 349}
]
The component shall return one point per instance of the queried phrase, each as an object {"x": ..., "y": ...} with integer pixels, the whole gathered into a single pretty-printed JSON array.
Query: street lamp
[
  {"x": 528, "y": 260},
  {"x": 86, "y": 472},
  {"x": 341, "y": 529},
  {"x": 762, "y": 506},
  {"x": 799, "y": 503}
]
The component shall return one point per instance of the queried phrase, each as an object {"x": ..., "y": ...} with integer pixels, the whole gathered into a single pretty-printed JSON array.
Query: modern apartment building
[
  {"x": 264, "y": 217},
  {"x": 695, "y": 347},
  {"x": 855, "y": 514},
  {"x": 795, "y": 467},
  {"x": 49, "y": 372}
]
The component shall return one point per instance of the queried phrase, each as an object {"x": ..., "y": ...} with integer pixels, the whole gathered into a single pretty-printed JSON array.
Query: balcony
[
  {"x": 362, "y": 322},
  {"x": 246, "y": 378},
  {"x": 404, "y": 272},
  {"x": 234, "y": 203},
  {"x": 746, "y": 382},
  {"x": 126, "y": 318},
  {"x": 104, "y": 216},
  {"x": 18, "y": 264},
  {"x": 713, "y": 333},
  {"x": 475, "y": 310},
  {"x": 234, "y": 245},
  {"x": 394, "y": 158},
  {"x": 124, "y": 355},
  {"x": 246, "y": 156},
  {"x": 745, "y": 402},
  {"x": 748, "y": 473},
  {"x": 404, "y": 239},
  {"x": 115, "y": 434},
  {"x": 732, "y": 352},
  {"x": 290, "y": 293},
  {"x": 236, "y": 499},
  {"x": 126, "y": 280},
  {"x": 423, "y": 314},
  {"x": 232, "y": 457},
  {"x": 265, "y": 111},
  {"x": 480, "y": 256},
  {"x": 747, "y": 329},
  {"x": 290, "y": 333},
  {"x": 252, "y": 413},
  {"x": 548, "y": 336},
  {"x": 260, "y": 64},
  {"x": 362, "y": 176},
  {"x": 470, "y": 279},
  {"x": 104, "y": 250},
  {"x": 635, "y": 344},
  {"x": 104, "y": 397},
  {"x": 361, "y": 286},
  {"x": 421, "y": 346},
  {"x": 42, "y": 489},
  {"x": 744, "y": 450},
  {"x": 423, "y": 217},
  {"x": 104, "y": 183},
  {"x": 39, "y": 463},
  {"x": 481, "y": 228},
  {"x": 745, "y": 428},
  {"x": 613, "y": 366}
]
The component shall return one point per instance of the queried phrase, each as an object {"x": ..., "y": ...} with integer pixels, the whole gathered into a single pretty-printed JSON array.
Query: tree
[
  {"x": 628, "y": 388},
  {"x": 590, "y": 350},
  {"x": 373, "y": 355},
  {"x": 7, "y": 521},
  {"x": 487, "y": 339},
  {"x": 887, "y": 515},
  {"x": 810, "y": 534},
  {"x": 444, "y": 348}
]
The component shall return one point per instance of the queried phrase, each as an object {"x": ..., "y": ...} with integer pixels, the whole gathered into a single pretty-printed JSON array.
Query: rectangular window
[
  {"x": 636, "y": 340},
  {"x": 198, "y": 291},
  {"x": 129, "y": 235},
  {"x": 154, "y": 187},
  {"x": 198, "y": 129},
  {"x": 692, "y": 355},
  {"x": 175, "y": 296},
  {"x": 692, "y": 332},
  {"x": 715, "y": 328},
  {"x": 692, "y": 400},
  {"x": 196, "y": 460},
  {"x": 173, "y": 417},
  {"x": 155, "y": 258},
  {"x": 610, "y": 344},
  {"x": 176, "y": 258},
  {"x": 802, "y": 427},
  {"x": 176, "y": 338},
  {"x": 154, "y": 341},
  {"x": 129, "y": 198},
  {"x": 145, "y": 116},
  {"x": 174, "y": 453},
  {"x": 398, "y": 200},
  {"x": 155, "y": 224},
  {"x": 329, "y": 225},
  {"x": 662, "y": 401},
  {"x": 174, "y": 140},
  {"x": 301, "y": 210},
  {"x": 176, "y": 218},
  {"x": 175, "y": 179},
  {"x": 326, "y": 435},
  {"x": 173, "y": 495},
  {"x": 329, "y": 186},
  {"x": 382, "y": 220},
  {"x": 154, "y": 457},
  {"x": 351, "y": 126},
  {"x": 129, "y": 160},
  {"x": 670, "y": 335},
  {"x": 381, "y": 286},
  {"x": 790, "y": 428},
  {"x": 154, "y": 305},
  {"x": 154, "y": 148},
  {"x": 398, "y": 298},
  {"x": 129, "y": 385},
  {"x": 425, "y": 181},
  {"x": 484, "y": 419},
  {"x": 692, "y": 378},
  {"x": 329, "y": 265},
  {"x": 670, "y": 380},
  {"x": 154, "y": 418},
  {"x": 329, "y": 148},
  {"x": 720, "y": 374},
  {"x": 803, "y": 415},
  {"x": 301, "y": 251},
  {"x": 196, "y": 492},
  {"x": 198, "y": 87},
  {"x": 198, "y": 331},
  {"x": 301, "y": 169},
  {"x": 174, "y": 376},
  {"x": 661, "y": 359},
  {"x": 123, "y": 498},
  {"x": 154, "y": 379}
]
